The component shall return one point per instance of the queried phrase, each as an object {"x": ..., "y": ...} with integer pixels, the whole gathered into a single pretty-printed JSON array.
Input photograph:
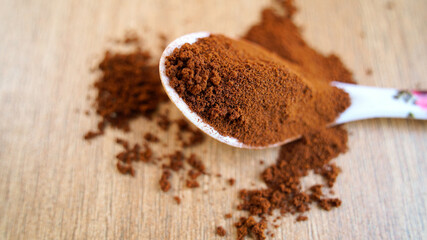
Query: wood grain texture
[{"x": 54, "y": 185}]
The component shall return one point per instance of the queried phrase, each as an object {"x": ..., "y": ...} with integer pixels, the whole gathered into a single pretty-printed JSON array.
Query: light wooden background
[{"x": 54, "y": 185}]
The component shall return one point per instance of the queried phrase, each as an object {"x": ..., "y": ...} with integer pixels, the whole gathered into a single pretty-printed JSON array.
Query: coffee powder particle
[
  {"x": 328, "y": 204},
  {"x": 125, "y": 168},
  {"x": 231, "y": 181},
  {"x": 220, "y": 231},
  {"x": 177, "y": 199},
  {"x": 165, "y": 185},
  {"x": 228, "y": 215},
  {"x": 176, "y": 161},
  {"x": 195, "y": 162},
  {"x": 192, "y": 174},
  {"x": 301, "y": 218},
  {"x": 163, "y": 122},
  {"x": 192, "y": 184},
  {"x": 150, "y": 137}
]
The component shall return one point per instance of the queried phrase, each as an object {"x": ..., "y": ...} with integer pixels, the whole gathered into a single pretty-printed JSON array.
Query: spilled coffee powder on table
[
  {"x": 284, "y": 190},
  {"x": 129, "y": 87}
]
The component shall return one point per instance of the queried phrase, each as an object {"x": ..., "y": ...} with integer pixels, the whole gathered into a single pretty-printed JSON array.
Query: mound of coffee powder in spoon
[{"x": 249, "y": 93}]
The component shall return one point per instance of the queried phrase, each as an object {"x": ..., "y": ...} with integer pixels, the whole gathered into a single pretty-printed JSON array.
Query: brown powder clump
[
  {"x": 165, "y": 185},
  {"x": 192, "y": 183},
  {"x": 176, "y": 161},
  {"x": 193, "y": 174},
  {"x": 249, "y": 93},
  {"x": 328, "y": 204},
  {"x": 128, "y": 87},
  {"x": 231, "y": 181},
  {"x": 151, "y": 137},
  {"x": 195, "y": 162},
  {"x": 220, "y": 231},
  {"x": 130, "y": 155},
  {"x": 177, "y": 199},
  {"x": 250, "y": 227}
]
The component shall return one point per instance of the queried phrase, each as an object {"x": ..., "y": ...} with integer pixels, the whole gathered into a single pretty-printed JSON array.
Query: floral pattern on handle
[{"x": 418, "y": 98}]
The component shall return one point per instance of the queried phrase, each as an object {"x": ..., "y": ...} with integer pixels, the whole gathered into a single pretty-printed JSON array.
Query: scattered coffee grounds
[
  {"x": 301, "y": 218},
  {"x": 176, "y": 161},
  {"x": 231, "y": 181},
  {"x": 228, "y": 215},
  {"x": 130, "y": 155},
  {"x": 192, "y": 183},
  {"x": 165, "y": 185},
  {"x": 195, "y": 162},
  {"x": 250, "y": 227},
  {"x": 283, "y": 179},
  {"x": 192, "y": 174},
  {"x": 329, "y": 203},
  {"x": 220, "y": 231},
  {"x": 150, "y": 137},
  {"x": 163, "y": 122},
  {"x": 249, "y": 93},
  {"x": 177, "y": 199}
]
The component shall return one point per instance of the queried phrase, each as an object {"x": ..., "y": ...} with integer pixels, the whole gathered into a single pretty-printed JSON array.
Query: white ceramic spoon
[{"x": 366, "y": 102}]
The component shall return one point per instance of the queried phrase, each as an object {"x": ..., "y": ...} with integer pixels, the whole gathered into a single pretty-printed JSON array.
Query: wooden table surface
[{"x": 54, "y": 185}]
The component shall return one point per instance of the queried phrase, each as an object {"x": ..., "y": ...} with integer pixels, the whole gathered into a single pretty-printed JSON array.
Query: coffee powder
[
  {"x": 279, "y": 34},
  {"x": 128, "y": 87},
  {"x": 249, "y": 93}
]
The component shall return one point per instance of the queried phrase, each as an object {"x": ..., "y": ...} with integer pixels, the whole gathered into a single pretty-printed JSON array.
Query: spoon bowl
[{"x": 366, "y": 102}]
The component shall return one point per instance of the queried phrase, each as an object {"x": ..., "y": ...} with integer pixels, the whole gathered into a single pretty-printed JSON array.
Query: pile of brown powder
[
  {"x": 249, "y": 93},
  {"x": 129, "y": 87}
]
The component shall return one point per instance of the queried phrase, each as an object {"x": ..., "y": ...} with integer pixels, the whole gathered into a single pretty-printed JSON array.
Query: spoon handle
[{"x": 373, "y": 102}]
